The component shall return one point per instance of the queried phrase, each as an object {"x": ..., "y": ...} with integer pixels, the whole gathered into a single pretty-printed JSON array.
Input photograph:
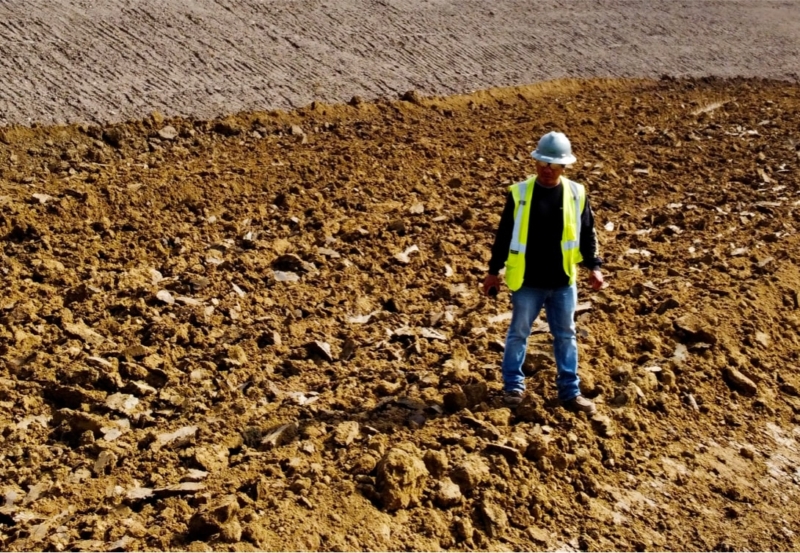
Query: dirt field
[
  {"x": 114, "y": 60},
  {"x": 265, "y": 331}
]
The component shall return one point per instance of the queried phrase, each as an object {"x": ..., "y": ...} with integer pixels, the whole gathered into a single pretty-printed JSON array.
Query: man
[{"x": 546, "y": 229}]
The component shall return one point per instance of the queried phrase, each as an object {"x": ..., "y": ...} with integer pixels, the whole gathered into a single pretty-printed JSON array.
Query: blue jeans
[{"x": 559, "y": 304}]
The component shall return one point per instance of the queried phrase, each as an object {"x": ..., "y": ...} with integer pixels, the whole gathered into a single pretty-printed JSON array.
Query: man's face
[{"x": 548, "y": 173}]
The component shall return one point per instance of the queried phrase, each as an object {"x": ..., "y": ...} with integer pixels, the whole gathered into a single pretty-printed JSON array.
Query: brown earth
[
  {"x": 210, "y": 338},
  {"x": 74, "y": 61}
]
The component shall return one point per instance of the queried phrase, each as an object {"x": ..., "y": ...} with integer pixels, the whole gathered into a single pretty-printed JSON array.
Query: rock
[
  {"x": 436, "y": 462},
  {"x": 455, "y": 400},
  {"x": 164, "y": 296},
  {"x": 104, "y": 463},
  {"x": 346, "y": 433},
  {"x": 212, "y": 518},
  {"x": 691, "y": 328},
  {"x": 136, "y": 495},
  {"x": 494, "y": 518},
  {"x": 462, "y": 529},
  {"x": 182, "y": 437},
  {"x": 538, "y": 535},
  {"x": 80, "y": 330},
  {"x": 279, "y": 435},
  {"x": 140, "y": 389},
  {"x": 236, "y": 356},
  {"x": 79, "y": 421},
  {"x": 400, "y": 479},
  {"x": 194, "y": 475},
  {"x": 666, "y": 305},
  {"x": 123, "y": 403},
  {"x": 398, "y": 226},
  {"x": 175, "y": 490},
  {"x": 403, "y": 257},
  {"x": 499, "y": 417},
  {"x": 320, "y": 349},
  {"x": 470, "y": 473},
  {"x": 227, "y": 128},
  {"x": 168, "y": 133},
  {"x": 417, "y": 209},
  {"x": 67, "y": 396},
  {"x": 603, "y": 426},
  {"x": 762, "y": 338},
  {"x": 739, "y": 382},
  {"x": 447, "y": 494},
  {"x": 212, "y": 458},
  {"x": 511, "y": 454},
  {"x": 475, "y": 393},
  {"x": 538, "y": 446}
]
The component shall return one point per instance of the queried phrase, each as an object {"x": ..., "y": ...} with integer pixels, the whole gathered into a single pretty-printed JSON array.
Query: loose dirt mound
[{"x": 266, "y": 331}]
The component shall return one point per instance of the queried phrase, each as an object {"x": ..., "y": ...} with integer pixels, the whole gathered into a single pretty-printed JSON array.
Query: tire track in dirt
[{"x": 117, "y": 59}]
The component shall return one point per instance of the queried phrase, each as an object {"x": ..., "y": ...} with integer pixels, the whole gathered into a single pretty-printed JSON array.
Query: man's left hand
[{"x": 596, "y": 279}]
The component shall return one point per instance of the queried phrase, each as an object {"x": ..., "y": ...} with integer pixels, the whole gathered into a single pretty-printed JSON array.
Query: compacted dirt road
[
  {"x": 113, "y": 60},
  {"x": 265, "y": 331}
]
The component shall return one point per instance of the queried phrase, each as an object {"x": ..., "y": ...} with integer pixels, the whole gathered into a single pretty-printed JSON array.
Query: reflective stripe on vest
[{"x": 573, "y": 204}]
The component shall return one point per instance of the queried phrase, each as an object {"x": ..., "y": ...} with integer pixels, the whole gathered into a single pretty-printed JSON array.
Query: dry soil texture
[
  {"x": 265, "y": 331},
  {"x": 112, "y": 60}
]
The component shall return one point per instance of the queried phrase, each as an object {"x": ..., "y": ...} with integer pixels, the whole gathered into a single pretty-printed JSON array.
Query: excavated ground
[{"x": 266, "y": 332}]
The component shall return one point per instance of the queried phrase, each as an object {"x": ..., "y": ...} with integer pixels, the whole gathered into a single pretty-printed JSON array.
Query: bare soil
[
  {"x": 104, "y": 61},
  {"x": 265, "y": 331}
]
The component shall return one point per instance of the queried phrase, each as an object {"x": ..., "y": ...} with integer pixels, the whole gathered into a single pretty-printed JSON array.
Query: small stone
[
  {"x": 346, "y": 433},
  {"x": 417, "y": 209},
  {"x": 168, "y": 133},
  {"x": 165, "y": 297},
  {"x": 499, "y": 417},
  {"x": 494, "y": 518},
  {"x": 278, "y": 436},
  {"x": 538, "y": 535},
  {"x": 762, "y": 338},
  {"x": 447, "y": 494},
  {"x": 455, "y": 400},
  {"x": 470, "y": 473},
  {"x": 80, "y": 330},
  {"x": 748, "y": 452},
  {"x": 320, "y": 349},
  {"x": 124, "y": 403},
  {"x": 212, "y": 458},
  {"x": 740, "y": 382},
  {"x": 436, "y": 462},
  {"x": 194, "y": 475},
  {"x": 236, "y": 356},
  {"x": 400, "y": 479},
  {"x": 210, "y": 519},
  {"x": 693, "y": 329},
  {"x": 104, "y": 463},
  {"x": 184, "y": 488},
  {"x": 180, "y": 438}
]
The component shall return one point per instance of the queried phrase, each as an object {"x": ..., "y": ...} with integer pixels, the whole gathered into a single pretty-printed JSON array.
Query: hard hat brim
[{"x": 562, "y": 160}]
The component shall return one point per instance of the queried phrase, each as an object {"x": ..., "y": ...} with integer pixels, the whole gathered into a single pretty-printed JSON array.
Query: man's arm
[
  {"x": 502, "y": 240},
  {"x": 589, "y": 246}
]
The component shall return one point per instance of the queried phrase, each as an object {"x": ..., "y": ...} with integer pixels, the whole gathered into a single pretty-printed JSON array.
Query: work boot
[
  {"x": 580, "y": 403},
  {"x": 512, "y": 399}
]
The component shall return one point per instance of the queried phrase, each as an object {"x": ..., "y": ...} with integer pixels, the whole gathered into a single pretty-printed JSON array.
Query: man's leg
[
  {"x": 526, "y": 304},
  {"x": 560, "y": 308}
]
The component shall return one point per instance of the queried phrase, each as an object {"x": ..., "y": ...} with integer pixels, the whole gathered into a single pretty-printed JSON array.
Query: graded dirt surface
[
  {"x": 266, "y": 332},
  {"x": 75, "y": 61}
]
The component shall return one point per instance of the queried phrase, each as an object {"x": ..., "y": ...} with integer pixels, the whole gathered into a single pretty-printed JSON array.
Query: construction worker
[{"x": 546, "y": 229}]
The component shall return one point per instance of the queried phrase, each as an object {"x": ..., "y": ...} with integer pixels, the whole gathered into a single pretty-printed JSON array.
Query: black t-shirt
[{"x": 544, "y": 266}]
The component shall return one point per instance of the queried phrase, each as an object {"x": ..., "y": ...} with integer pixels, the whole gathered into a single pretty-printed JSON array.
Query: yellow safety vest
[{"x": 574, "y": 202}]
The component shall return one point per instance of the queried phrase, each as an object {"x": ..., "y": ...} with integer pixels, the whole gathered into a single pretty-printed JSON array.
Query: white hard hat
[{"x": 554, "y": 147}]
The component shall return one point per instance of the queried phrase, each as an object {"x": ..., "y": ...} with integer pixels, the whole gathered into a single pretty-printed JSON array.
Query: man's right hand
[{"x": 491, "y": 285}]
